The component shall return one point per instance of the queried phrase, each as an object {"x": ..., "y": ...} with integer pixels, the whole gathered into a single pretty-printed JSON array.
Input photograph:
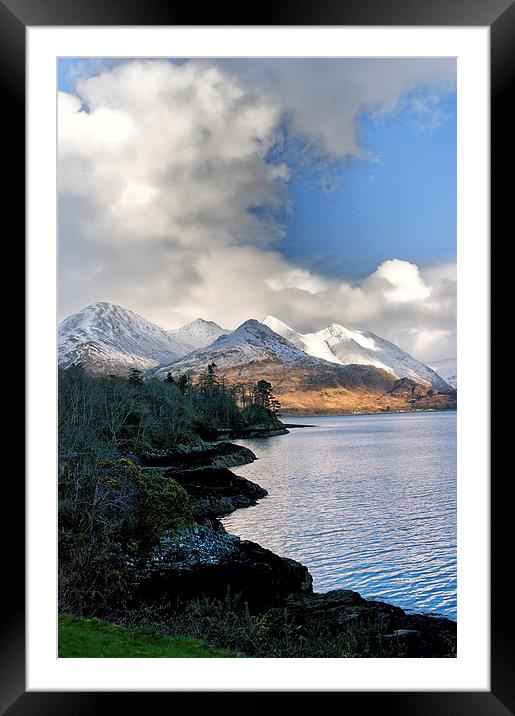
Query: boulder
[{"x": 206, "y": 562}]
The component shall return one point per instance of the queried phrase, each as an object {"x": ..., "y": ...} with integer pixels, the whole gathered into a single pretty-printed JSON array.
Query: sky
[{"x": 315, "y": 190}]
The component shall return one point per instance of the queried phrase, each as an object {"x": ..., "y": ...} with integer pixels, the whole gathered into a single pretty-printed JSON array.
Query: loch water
[{"x": 366, "y": 502}]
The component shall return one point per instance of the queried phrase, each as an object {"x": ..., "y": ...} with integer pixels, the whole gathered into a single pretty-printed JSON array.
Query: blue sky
[
  {"x": 324, "y": 176},
  {"x": 399, "y": 203}
]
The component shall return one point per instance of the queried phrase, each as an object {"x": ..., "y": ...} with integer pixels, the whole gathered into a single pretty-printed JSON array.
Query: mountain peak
[
  {"x": 252, "y": 343},
  {"x": 249, "y": 330},
  {"x": 274, "y": 330},
  {"x": 337, "y": 344},
  {"x": 202, "y": 322},
  {"x": 197, "y": 334},
  {"x": 250, "y": 323},
  {"x": 106, "y": 338},
  {"x": 336, "y": 328},
  {"x": 335, "y": 332},
  {"x": 104, "y": 306},
  {"x": 105, "y": 309}
]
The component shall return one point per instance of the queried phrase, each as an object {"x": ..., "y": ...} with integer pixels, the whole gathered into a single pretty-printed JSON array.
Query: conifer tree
[{"x": 135, "y": 377}]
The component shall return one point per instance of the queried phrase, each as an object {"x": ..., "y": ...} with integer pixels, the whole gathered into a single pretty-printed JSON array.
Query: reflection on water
[{"x": 365, "y": 502}]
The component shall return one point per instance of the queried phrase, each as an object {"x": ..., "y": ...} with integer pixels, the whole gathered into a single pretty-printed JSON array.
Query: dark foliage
[
  {"x": 101, "y": 417},
  {"x": 111, "y": 519},
  {"x": 113, "y": 515},
  {"x": 228, "y": 623}
]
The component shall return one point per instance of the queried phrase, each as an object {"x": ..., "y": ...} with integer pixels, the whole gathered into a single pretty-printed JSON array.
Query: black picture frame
[{"x": 499, "y": 15}]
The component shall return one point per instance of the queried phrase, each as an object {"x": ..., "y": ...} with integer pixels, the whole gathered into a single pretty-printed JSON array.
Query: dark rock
[
  {"x": 260, "y": 432},
  {"x": 197, "y": 547},
  {"x": 199, "y": 457},
  {"x": 217, "y": 492},
  {"x": 401, "y": 633},
  {"x": 202, "y": 562}
]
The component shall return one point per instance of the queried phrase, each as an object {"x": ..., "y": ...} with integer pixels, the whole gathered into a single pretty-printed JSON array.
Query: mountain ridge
[
  {"x": 343, "y": 346},
  {"x": 108, "y": 339},
  {"x": 301, "y": 382},
  {"x": 251, "y": 342}
]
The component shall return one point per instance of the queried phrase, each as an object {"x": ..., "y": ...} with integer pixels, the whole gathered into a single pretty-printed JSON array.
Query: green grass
[{"x": 93, "y": 638}]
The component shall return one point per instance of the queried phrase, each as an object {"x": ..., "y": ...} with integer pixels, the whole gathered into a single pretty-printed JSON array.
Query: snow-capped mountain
[
  {"x": 197, "y": 334},
  {"x": 109, "y": 339},
  {"x": 254, "y": 351},
  {"x": 340, "y": 345},
  {"x": 333, "y": 370},
  {"x": 302, "y": 382},
  {"x": 447, "y": 368},
  {"x": 250, "y": 343}
]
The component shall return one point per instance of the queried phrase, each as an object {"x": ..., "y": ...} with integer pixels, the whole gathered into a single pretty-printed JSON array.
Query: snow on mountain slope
[
  {"x": 106, "y": 338},
  {"x": 250, "y": 343},
  {"x": 197, "y": 334},
  {"x": 310, "y": 344},
  {"x": 447, "y": 368},
  {"x": 109, "y": 339},
  {"x": 340, "y": 345}
]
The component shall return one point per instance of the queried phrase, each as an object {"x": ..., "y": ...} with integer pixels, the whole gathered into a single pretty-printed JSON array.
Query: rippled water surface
[{"x": 365, "y": 502}]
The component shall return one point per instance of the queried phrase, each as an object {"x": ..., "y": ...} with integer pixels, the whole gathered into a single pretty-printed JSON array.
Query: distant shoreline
[{"x": 282, "y": 418}]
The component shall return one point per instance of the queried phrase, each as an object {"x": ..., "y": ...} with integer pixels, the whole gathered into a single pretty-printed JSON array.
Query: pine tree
[
  {"x": 184, "y": 384},
  {"x": 211, "y": 377},
  {"x": 135, "y": 377},
  {"x": 263, "y": 394}
]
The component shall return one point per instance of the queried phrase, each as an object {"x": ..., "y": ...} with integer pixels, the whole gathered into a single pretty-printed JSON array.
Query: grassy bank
[{"x": 93, "y": 638}]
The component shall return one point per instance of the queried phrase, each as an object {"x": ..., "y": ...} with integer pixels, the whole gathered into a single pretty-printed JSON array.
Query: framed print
[{"x": 264, "y": 249}]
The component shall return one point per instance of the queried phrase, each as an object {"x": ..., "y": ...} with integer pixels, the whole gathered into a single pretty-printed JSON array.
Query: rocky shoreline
[
  {"x": 200, "y": 456},
  {"x": 207, "y": 561}
]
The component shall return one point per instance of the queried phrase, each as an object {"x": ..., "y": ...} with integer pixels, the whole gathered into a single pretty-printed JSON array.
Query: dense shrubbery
[
  {"x": 112, "y": 514},
  {"x": 108, "y": 520},
  {"x": 121, "y": 501}
]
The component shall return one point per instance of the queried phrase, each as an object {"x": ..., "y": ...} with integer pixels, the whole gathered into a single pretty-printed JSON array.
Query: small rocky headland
[{"x": 141, "y": 542}]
